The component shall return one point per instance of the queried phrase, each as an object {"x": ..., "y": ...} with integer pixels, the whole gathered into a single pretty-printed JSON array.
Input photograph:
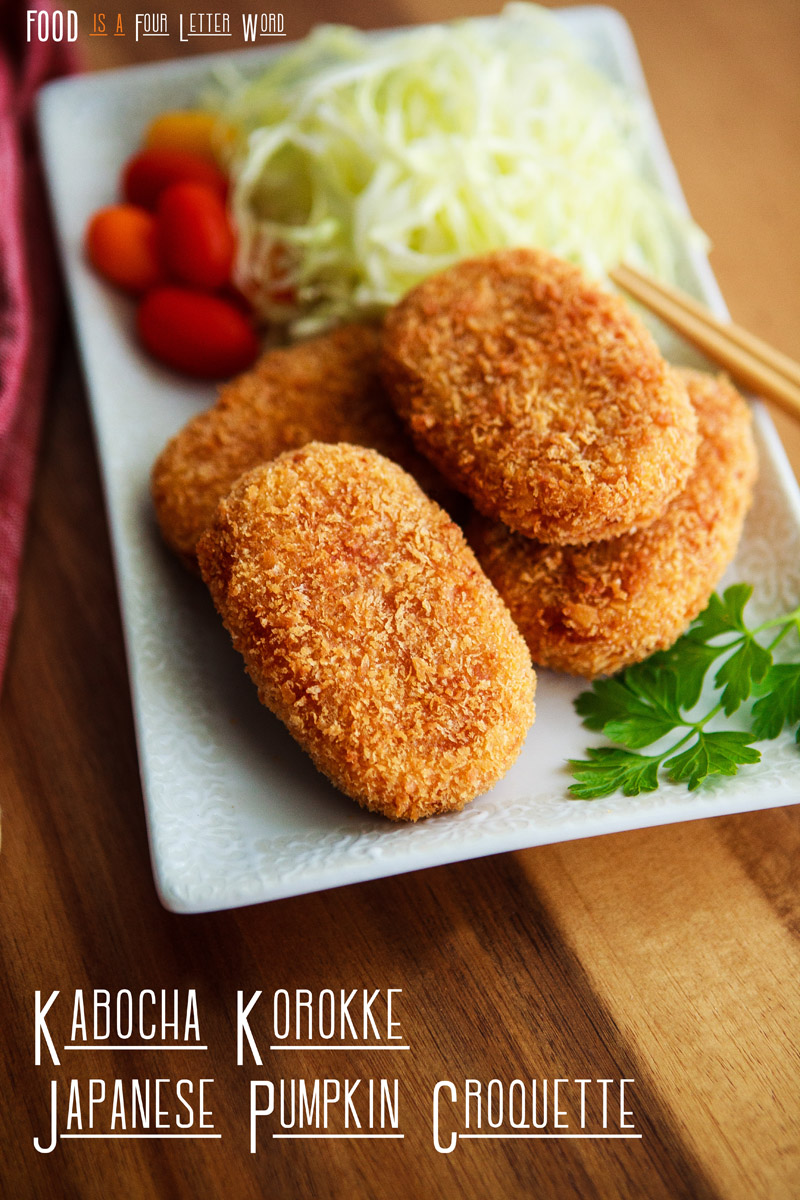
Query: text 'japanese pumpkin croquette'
[
  {"x": 369, "y": 629},
  {"x": 326, "y": 390},
  {"x": 592, "y": 610},
  {"x": 540, "y": 395}
]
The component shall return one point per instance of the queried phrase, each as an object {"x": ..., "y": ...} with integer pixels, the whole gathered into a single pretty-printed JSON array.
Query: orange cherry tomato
[
  {"x": 148, "y": 173},
  {"x": 195, "y": 239},
  {"x": 197, "y": 334},
  {"x": 121, "y": 244},
  {"x": 199, "y": 132}
]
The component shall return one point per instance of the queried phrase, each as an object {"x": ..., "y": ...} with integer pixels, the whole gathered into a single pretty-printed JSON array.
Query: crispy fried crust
[
  {"x": 539, "y": 395},
  {"x": 369, "y": 629},
  {"x": 326, "y": 390},
  {"x": 595, "y": 609}
]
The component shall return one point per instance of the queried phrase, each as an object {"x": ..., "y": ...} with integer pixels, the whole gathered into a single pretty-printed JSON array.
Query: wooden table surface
[{"x": 667, "y": 956}]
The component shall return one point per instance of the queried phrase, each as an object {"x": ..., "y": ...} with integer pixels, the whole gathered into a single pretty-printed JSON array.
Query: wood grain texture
[
  {"x": 666, "y": 955},
  {"x": 708, "y": 989}
]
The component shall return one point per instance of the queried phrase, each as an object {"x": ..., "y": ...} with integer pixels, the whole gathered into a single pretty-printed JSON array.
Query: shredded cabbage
[{"x": 364, "y": 164}]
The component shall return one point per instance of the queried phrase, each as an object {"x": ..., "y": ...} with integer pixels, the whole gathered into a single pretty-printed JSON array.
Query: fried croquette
[
  {"x": 539, "y": 395},
  {"x": 326, "y": 390},
  {"x": 369, "y": 629},
  {"x": 592, "y": 610}
]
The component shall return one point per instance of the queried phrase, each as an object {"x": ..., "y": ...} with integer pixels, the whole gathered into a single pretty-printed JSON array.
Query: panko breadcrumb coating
[
  {"x": 326, "y": 390},
  {"x": 369, "y": 629},
  {"x": 540, "y": 395},
  {"x": 593, "y": 610}
]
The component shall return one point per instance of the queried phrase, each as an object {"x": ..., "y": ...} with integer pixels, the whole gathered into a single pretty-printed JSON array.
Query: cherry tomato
[
  {"x": 195, "y": 239},
  {"x": 232, "y": 295},
  {"x": 148, "y": 173},
  {"x": 200, "y": 133},
  {"x": 195, "y": 333},
  {"x": 121, "y": 244}
]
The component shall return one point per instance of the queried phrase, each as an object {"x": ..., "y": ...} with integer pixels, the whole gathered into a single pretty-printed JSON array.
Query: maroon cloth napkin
[{"x": 28, "y": 286}]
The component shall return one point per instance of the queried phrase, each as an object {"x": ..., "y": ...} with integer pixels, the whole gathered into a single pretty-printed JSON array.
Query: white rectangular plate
[{"x": 236, "y": 812}]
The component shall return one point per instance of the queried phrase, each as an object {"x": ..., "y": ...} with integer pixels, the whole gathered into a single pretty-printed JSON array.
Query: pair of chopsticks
[{"x": 747, "y": 359}]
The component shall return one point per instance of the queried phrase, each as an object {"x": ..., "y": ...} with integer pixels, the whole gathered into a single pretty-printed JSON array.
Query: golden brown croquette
[
  {"x": 592, "y": 610},
  {"x": 369, "y": 629},
  {"x": 326, "y": 389},
  {"x": 540, "y": 395}
]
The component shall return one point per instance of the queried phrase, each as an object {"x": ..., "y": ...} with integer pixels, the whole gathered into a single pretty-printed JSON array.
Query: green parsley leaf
[
  {"x": 635, "y": 710},
  {"x": 608, "y": 700},
  {"x": 637, "y": 732},
  {"x": 719, "y": 753},
  {"x": 651, "y": 700},
  {"x": 608, "y": 770},
  {"x": 725, "y": 614},
  {"x": 748, "y": 665},
  {"x": 657, "y": 688},
  {"x": 779, "y": 704},
  {"x": 690, "y": 660}
]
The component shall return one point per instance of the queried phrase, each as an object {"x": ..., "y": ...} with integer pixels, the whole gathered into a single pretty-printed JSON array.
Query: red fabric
[{"x": 28, "y": 286}]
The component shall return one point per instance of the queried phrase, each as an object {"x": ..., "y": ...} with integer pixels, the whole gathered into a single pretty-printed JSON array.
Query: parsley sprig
[{"x": 658, "y": 699}]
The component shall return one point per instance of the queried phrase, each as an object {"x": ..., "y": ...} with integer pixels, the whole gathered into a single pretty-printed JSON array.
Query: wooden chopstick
[{"x": 747, "y": 359}]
